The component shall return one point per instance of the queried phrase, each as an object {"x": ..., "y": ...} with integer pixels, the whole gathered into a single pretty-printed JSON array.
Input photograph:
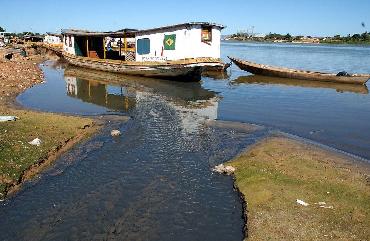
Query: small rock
[
  {"x": 303, "y": 203},
  {"x": 327, "y": 207},
  {"x": 35, "y": 142},
  {"x": 222, "y": 169},
  {"x": 115, "y": 133}
]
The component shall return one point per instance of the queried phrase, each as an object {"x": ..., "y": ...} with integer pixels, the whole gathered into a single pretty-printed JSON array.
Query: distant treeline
[
  {"x": 19, "y": 34},
  {"x": 355, "y": 38},
  {"x": 276, "y": 37}
]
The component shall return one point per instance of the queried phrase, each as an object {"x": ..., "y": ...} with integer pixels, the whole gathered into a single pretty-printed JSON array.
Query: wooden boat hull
[
  {"x": 266, "y": 70},
  {"x": 182, "y": 72}
]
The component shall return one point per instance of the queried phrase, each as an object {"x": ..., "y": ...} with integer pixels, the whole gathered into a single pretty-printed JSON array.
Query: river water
[
  {"x": 155, "y": 181},
  {"x": 336, "y": 115}
]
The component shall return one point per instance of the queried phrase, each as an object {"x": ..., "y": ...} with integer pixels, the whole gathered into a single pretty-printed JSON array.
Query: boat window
[
  {"x": 65, "y": 40},
  {"x": 206, "y": 34},
  {"x": 143, "y": 46}
]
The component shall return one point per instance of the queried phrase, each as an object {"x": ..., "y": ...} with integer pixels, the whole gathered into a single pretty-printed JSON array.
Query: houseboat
[
  {"x": 53, "y": 39},
  {"x": 180, "y": 51}
]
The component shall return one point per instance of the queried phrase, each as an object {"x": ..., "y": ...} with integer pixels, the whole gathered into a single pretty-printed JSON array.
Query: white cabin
[{"x": 182, "y": 41}]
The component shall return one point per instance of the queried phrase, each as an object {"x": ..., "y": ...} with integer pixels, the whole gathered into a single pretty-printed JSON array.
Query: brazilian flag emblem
[{"x": 169, "y": 42}]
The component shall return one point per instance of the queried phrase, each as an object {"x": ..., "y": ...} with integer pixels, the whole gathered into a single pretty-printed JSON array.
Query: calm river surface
[
  {"x": 155, "y": 182},
  {"x": 336, "y": 115}
]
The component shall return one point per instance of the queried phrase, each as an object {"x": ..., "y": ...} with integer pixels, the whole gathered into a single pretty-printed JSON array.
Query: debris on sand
[
  {"x": 35, "y": 142},
  {"x": 222, "y": 169},
  {"x": 303, "y": 203},
  {"x": 8, "y": 118},
  {"x": 115, "y": 133},
  {"x": 327, "y": 207}
]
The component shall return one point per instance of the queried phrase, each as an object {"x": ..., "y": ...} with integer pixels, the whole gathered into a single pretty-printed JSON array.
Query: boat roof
[
  {"x": 120, "y": 33},
  {"x": 130, "y": 31},
  {"x": 183, "y": 25},
  {"x": 53, "y": 34}
]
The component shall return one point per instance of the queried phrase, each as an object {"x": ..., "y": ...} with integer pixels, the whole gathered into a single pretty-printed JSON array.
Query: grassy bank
[
  {"x": 276, "y": 172},
  {"x": 20, "y": 160}
]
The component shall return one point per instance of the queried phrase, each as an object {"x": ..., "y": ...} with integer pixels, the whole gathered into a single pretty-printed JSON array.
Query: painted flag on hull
[{"x": 169, "y": 42}]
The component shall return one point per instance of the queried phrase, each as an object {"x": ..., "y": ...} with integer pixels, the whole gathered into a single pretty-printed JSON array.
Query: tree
[
  {"x": 356, "y": 36},
  {"x": 2, "y": 29},
  {"x": 337, "y": 37},
  {"x": 288, "y": 37},
  {"x": 365, "y": 36}
]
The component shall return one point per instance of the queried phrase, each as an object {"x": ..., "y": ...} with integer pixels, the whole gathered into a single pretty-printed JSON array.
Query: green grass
[
  {"x": 17, "y": 155},
  {"x": 276, "y": 172}
]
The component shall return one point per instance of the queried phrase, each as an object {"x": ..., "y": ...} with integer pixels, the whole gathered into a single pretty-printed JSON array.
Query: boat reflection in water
[
  {"x": 115, "y": 98},
  {"x": 192, "y": 103},
  {"x": 339, "y": 87}
]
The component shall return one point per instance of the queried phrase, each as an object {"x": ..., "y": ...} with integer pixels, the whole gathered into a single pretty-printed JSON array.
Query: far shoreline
[{"x": 298, "y": 43}]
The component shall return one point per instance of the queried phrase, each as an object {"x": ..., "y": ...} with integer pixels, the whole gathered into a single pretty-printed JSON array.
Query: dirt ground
[
  {"x": 16, "y": 75},
  {"x": 20, "y": 160},
  {"x": 278, "y": 171}
]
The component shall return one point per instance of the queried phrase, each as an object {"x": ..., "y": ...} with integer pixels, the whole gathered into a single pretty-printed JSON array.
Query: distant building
[
  {"x": 33, "y": 38},
  {"x": 308, "y": 40},
  {"x": 53, "y": 39},
  {"x": 260, "y": 35},
  {"x": 5, "y": 37}
]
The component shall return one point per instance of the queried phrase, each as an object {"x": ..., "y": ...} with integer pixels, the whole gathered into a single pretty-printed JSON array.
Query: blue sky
[{"x": 306, "y": 17}]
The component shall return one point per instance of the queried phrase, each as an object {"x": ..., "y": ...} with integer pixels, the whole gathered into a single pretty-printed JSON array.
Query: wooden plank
[
  {"x": 87, "y": 46},
  {"x": 120, "y": 47},
  {"x": 105, "y": 53}
]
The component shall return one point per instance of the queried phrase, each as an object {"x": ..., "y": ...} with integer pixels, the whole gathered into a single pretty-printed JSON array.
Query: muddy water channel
[{"x": 154, "y": 182}]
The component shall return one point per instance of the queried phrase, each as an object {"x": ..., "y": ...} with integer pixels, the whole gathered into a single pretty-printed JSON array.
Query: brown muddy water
[{"x": 155, "y": 182}]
